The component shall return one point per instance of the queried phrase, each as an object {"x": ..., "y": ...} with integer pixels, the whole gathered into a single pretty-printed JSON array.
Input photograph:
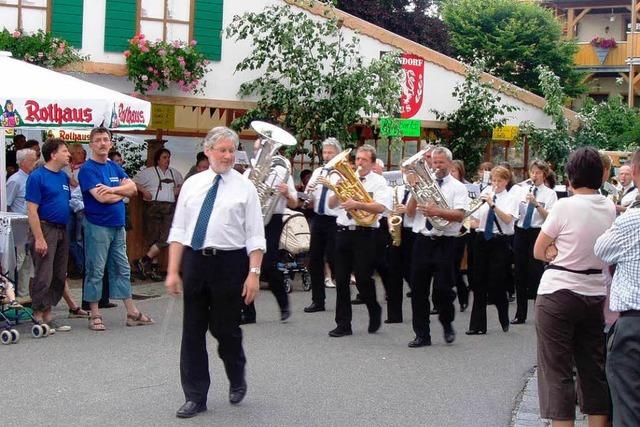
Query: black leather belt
[
  {"x": 588, "y": 271},
  {"x": 354, "y": 228},
  {"x": 630, "y": 313},
  {"x": 214, "y": 251}
]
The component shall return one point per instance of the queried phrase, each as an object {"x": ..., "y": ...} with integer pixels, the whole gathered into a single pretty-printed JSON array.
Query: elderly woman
[{"x": 569, "y": 307}]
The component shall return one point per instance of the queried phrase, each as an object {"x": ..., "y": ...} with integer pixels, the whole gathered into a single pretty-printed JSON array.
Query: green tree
[
  {"x": 515, "y": 37},
  {"x": 312, "y": 80},
  {"x": 480, "y": 111},
  {"x": 610, "y": 125}
]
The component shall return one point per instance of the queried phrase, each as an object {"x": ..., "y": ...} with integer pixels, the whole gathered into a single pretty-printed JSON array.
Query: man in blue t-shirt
[
  {"x": 47, "y": 196},
  {"x": 104, "y": 185}
]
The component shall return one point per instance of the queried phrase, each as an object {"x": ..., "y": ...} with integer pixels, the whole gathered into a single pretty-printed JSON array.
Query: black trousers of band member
[
  {"x": 528, "y": 269},
  {"x": 382, "y": 263},
  {"x": 355, "y": 251},
  {"x": 458, "y": 253},
  {"x": 490, "y": 269},
  {"x": 469, "y": 241},
  {"x": 399, "y": 271},
  {"x": 212, "y": 299},
  {"x": 323, "y": 242},
  {"x": 432, "y": 258},
  {"x": 269, "y": 268},
  {"x": 510, "y": 280}
]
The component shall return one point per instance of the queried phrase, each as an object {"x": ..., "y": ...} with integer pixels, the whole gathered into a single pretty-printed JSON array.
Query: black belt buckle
[{"x": 209, "y": 251}]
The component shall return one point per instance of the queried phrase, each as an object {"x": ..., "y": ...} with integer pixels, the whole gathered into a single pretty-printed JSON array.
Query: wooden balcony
[{"x": 617, "y": 57}]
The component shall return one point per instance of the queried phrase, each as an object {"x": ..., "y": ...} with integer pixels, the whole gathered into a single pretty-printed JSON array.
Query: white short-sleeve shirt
[
  {"x": 545, "y": 196},
  {"x": 160, "y": 184},
  {"x": 508, "y": 203}
]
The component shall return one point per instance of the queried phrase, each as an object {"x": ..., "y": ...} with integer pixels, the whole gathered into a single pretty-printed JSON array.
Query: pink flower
[
  {"x": 154, "y": 86},
  {"x": 144, "y": 78},
  {"x": 16, "y": 34},
  {"x": 162, "y": 52},
  {"x": 62, "y": 45},
  {"x": 127, "y": 53},
  {"x": 150, "y": 69},
  {"x": 181, "y": 82},
  {"x": 144, "y": 48},
  {"x": 176, "y": 43},
  {"x": 193, "y": 42}
]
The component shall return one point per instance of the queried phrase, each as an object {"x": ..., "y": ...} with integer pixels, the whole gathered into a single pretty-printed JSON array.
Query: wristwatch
[{"x": 255, "y": 270}]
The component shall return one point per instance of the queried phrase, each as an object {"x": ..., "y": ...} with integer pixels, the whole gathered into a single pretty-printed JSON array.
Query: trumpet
[{"x": 395, "y": 222}]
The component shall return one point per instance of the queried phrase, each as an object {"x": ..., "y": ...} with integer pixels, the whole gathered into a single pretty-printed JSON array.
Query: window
[
  {"x": 165, "y": 19},
  {"x": 28, "y": 15}
]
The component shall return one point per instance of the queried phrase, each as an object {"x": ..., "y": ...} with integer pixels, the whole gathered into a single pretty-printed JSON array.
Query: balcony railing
[{"x": 587, "y": 57}]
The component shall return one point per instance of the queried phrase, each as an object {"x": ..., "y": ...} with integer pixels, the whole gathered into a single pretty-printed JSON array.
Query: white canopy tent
[{"x": 35, "y": 97}]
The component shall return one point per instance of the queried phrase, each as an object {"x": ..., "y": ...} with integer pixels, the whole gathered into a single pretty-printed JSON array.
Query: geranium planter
[{"x": 602, "y": 53}]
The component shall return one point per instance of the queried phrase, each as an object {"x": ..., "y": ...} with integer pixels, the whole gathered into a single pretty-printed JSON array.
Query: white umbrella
[{"x": 35, "y": 97}]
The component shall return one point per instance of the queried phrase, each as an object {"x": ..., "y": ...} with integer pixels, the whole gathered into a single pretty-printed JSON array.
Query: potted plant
[
  {"x": 155, "y": 65},
  {"x": 602, "y": 47},
  {"x": 39, "y": 48}
]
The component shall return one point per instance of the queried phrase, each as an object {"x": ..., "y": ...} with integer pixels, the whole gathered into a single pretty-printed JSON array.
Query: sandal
[
  {"x": 95, "y": 323},
  {"x": 139, "y": 319},
  {"x": 77, "y": 313}
]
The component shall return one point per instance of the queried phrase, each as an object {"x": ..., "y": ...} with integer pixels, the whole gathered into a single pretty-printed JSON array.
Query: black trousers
[
  {"x": 355, "y": 251},
  {"x": 528, "y": 269},
  {"x": 399, "y": 271},
  {"x": 510, "y": 281},
  {"x": 269, "y": 269},
  {"x": 382, "y": 263},
  {"x": 623, "y": 370},
  {"x": 432, "y": 258},
  {"x": 491, "y": 259},
  {"x": 212, "y": 299},
  {"x": 458, "y": 253},
  {"x": 323, "y": 235}
]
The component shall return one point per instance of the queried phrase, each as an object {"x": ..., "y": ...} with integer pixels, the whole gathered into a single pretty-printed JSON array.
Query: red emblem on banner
[{"x": 412, "y": 84}]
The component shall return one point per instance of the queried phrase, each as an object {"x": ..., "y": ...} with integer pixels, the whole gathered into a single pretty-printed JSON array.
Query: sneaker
[
  {"x": 57, "y": 327},
  {"x": 140, "y": 265},
  {"x": 328, "y": 283},
  {"x": 14, "y": 304}
]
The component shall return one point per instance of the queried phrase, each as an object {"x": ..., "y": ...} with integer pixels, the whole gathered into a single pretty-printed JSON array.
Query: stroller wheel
[
  {"x": 46, "y": 330},
  {"x": 5, "y": 337},
  {"x": 288, "y": 286},
  {"x": 306, "y": 281},
  {"x": 15, "y": 336},
  {"x": 37, "y": 331}
]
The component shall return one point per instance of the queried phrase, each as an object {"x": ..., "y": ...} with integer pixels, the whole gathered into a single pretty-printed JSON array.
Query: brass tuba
[
  {"x": 263, "y": 174},
  {"x": 395, "y": 221},
  {"x": 349, "y": 187},
  {"x": 424, "y": 188}
]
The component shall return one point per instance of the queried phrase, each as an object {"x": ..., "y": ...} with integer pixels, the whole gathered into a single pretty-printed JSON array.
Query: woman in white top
[
  {"x": 571, "y": 295},
  {"x": 495, "y": 221}
]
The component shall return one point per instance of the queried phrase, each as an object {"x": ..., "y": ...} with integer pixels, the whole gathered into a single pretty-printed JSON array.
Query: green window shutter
[
  {"x": 207, "y": 28},
  {"x": 119, "y": 25},
  {"x": 66, "y": 21}
]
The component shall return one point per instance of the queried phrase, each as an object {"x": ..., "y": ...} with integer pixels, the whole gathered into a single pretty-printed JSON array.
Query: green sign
[{"x": 399, "y": 127}]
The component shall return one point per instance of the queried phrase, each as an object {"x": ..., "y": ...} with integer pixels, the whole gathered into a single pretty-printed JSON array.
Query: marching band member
[
  {"x": 219, "y": 252},
  {"x": 496, "y": 220},
  {"x": 323, "y": 228},
  {"x": 433, "y": 252},
  {"x": 355, "y": 248},
  {"x": 535, "y": 203},
  {"x": 288, "y": 197}
]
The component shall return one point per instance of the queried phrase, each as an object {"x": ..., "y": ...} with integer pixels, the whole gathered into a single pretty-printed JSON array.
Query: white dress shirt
[
  {"x": 150, "y": 178},
  {"x": 457, "y": 197},
  {"x": 16, "y": 189},
  {"x": 508, "y": 203},
  {"x": 317, "y": 193},
  {"x": 629, "y": 198},
  {"x": 376, "y": 186},
  {"x": 545, "y": 196},
  {"x": 236, "y": 219}
]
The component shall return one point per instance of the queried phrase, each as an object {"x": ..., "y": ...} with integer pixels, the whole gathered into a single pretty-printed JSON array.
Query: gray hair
[
  {"x": 332, "y": 142},
  {"x": 218, "y": 134},
  {"x": 442, "y": 150},
  {"x": 369, "y": 149},
  {"x": 380, "y": 162},
  {"x": 21, "y": 155}
]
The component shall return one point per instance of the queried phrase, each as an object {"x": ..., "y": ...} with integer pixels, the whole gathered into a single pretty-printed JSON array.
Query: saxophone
[
  {"x": 263, "y": 174},
  {"x": 424, "y": 189},
  {"x": 395, "y": 222},
  {"x": 349, "y": 187}
]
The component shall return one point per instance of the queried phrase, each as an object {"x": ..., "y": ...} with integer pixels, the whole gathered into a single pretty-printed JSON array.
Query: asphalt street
[{"x": 297, "y": 375}]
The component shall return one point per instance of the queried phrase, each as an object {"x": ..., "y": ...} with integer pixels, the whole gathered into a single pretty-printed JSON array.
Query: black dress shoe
[
  {"x": 393, "y": 321},
  {"x": 375, "y": 319},
  {"x": 475, "y": 332},
  {"x": 463, "y": 307},
  {"x": 517, "y": 321},
  {"x": 247, "y": 320},
  {"x": 236, "y": 394},
  {"x": 108, "y": 305},
  {"x": 190, "y": 409},
  {"x": 357, "y": 300},
  {"x": 313, "y": 307},
  {"x": 434, "y": 311},
  {"x": 505, "y": 327},
  {"x": 420, "y": 342},
  {"x": 285, "y": 313},
  {"x": 511, "y": 298},
  {"x": 340, "y": 332},
  {"x": 449, "y": 334}
]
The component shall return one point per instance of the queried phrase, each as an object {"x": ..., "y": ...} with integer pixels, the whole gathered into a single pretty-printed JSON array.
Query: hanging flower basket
[
  {"x": 39, "y": 48},
  {"x": 156, "y": 65},
  {"x": 602, "y": 47}
]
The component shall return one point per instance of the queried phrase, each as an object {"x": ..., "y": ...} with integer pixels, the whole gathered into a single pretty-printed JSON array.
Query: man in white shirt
[
  {"x": 323, "y": 228},
  {"x": 281, "y": 180},
  {"x": 536, "y": 200},
  {"x": 355, "y": 248},
  {"x": 217, "y": 241},
  {"x": 433, "y": 251}
]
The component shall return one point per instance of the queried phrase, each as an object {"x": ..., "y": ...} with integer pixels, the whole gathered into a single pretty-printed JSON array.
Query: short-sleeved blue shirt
[
  {"x": 91, "y": 174},
  {"x": 50, "y": 191}
]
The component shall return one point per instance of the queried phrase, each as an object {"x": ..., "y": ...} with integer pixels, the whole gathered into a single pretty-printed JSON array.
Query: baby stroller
[
  {"x": 10, "y": 316},
  {"x": 294, "y": 249}
]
